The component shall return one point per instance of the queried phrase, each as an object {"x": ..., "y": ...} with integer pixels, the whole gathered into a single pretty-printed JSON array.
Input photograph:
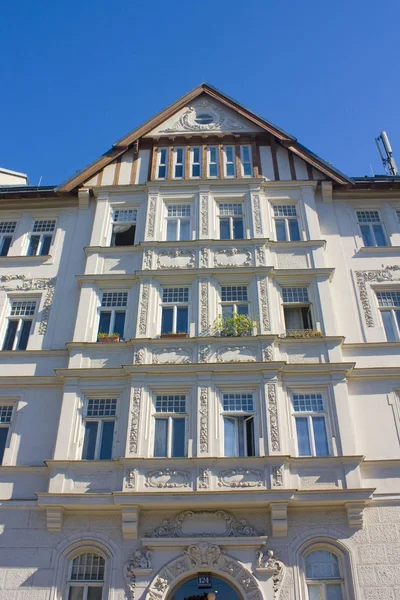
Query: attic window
[{"x": 204, "y": 119}]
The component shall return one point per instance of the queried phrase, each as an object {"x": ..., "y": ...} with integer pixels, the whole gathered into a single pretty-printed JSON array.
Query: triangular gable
[{"x": 172, "y": 114}]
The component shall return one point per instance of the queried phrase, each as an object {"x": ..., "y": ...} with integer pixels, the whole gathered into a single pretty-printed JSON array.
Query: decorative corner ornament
[
  {"x": 219, "y": 119},
  {"x": 362, "y": 277},
  {"x": 268, "y": 564}
]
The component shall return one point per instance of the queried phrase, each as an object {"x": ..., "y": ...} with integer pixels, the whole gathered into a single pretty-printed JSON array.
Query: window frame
[
  {"x": 42, "y": 236},
  {"x": 286, "y": 219},
  {"x": 315, "y": 546},
  {"x": 392, "y": 310},
  {"x": 7, "y": 425},
  {"x": 99, "y": 420},
  {"x": 370, "y": 224},
  {"x": 179, "y": 219},
  {"x": 193, "y": 163},
  {"x": 234, "y": 303},
  {"x": 244, "y": 162},
  {"x": 216, "y": 162},
  {"x": 85, "y": 583},
  {"x": 7, "y": 235},
  {"x": 225, "y": 149},
  {"x": 114, "y": 223},
  {"x": 170, "y": 416},
  {"x": 231, "y": 219},
  {"x": 174, "y": 305},
  {"x": 20, "y": 319},
  {"x": 113, "y": 310},
  {"x": 175, "y": 162},
  {"x": 238, "y": 414},
  {"x": 301, "y": 304},
  {"x": 309, "y": 415},
  {"x": 162, "y": 165}
]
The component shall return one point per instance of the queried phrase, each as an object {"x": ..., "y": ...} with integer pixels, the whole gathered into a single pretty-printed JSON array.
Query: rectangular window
[
  {"x": 179, "y": 163},
  {"x": 169, "y": 426},
  {"x": 238, "y": 418},
  {"x": 99, "y": 428},
  {"x": 234, "y": 299},
  {"x": 229, "y": 161},
  {"x": 195, "y": 161},
  {"x": 112, "y": 313},
  {"x": 247, "y": 166},
  {"x": 175, "y": 308},
  {"x": 19, "y": 324},
  {"x": 389, "y": 304},
  {"x": 297, "y": 310},
  {"x": 7, "y": 229},
  {"x": 398, "y": 215},
  {"x": 212, "y": 154},
  {"x": 231, "y": 221},
  {"x": 310, "y": 420},
  {"x": 371, "y": 227},
  {"x": 6, "y": 412},
  {"x": 123, "y": 227},
  {"x": 178, "y": 222},
  {"x": 162, "y": 163},
  {"x": 41, "y": 237},
  {"x": 286, "y": 223}
]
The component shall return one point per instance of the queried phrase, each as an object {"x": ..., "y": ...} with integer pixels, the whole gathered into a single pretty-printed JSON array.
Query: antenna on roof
[
  {"x": 40, "y": 180},
  {"x": 389, "y": 164}
]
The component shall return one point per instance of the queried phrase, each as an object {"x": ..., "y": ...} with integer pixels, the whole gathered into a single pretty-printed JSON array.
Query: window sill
[
  {"x": 174, "y": 335},
  {"x": 380, "y": 249},
  {"x": 40, "y": 258}
]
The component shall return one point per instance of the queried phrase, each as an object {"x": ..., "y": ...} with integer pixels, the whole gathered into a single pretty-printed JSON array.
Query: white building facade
[{"x": 200, "y": 373}]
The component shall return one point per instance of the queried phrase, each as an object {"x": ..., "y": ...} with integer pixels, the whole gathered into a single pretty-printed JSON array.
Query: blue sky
[{"x": 77, "y": 75}]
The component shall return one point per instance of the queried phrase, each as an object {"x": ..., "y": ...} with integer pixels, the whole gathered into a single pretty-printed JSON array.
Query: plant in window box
[
  {"x": 108, "y": 338},
  {"x": 303, "y": 333},
  {"x": 234, "y": 326}
]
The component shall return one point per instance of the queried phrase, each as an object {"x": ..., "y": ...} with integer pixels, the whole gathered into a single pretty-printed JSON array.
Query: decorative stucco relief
[
  {"x": 23, "y": 283},
  {"x": 273, "y": 418},
  {"x": 138, "y": 563},
  {"x": 323, "y": 481},
  {"x": 204, "y": 214},
  {"x": 130, "y": 479},
  {"x": 204, "y": 479},
  {"x": 172, "y": 356},
  {"x": 223, "y": 524},
  {"x": 144, "y": 305},
  {"x": 204, "y": 257},
  {"x": 135, "y": 414},
  {"x": 151, "y": 216},
  {"x": 268, "y": 563},
  {"x": 176, "y": 259},
  {"x": 257, "y": 214},
  {"x": 303, "y": 358},
  {"x": 263, "y": 287},
  {"x": 240, "y": 478},
  {"x": 277, "y": 476},
  {"x": 204, "y": 557},
  {"x": 292, "y": 261},
  {"x": 229, "y": 354},
  {"x": 268, "y": 354},
  {"x": 221, "y": 120},
  {"x": 233, "y": 257},
  {"x": 204, "y": 353},
  {"x": 203, "y": 305},
  {"x": 167, "y": 479},
  {"x": 260, "y": 254},
  {"x": 147, "y": 258},
  {"x": 139, "y": 356},
  {"x": 390, "y": 273},
  {"x": 203, "y": 410}
]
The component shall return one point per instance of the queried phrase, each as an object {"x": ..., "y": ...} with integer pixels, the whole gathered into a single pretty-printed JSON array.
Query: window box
[
  {"x": 303, "y": 333},
  {"x": 237, "y": 325},
  {"x": 105, "y": 338},
  {"x": 174, "y": 335}
]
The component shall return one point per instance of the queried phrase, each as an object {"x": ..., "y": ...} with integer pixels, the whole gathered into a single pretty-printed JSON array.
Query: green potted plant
[
  {"x": 234, "y": 326},
  {"x": 108, "y": 338},
  {"x": 303, "y": 333}
]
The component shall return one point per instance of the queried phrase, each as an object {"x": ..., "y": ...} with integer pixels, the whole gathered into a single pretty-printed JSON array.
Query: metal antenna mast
[{"x": 389, "y": 164}]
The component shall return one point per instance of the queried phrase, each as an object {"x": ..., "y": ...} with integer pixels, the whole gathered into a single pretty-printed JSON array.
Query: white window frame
[
  {"x": 116, "y": 222},
  {"x": 11, "y": 226},
  {"x": 286, "y": 219},
  {"x": 309, "y": 415},
  {"x": 249, "y": 162},
  {"x": 324, "y": 582},
  {"x": 4, "y": 402},
  {"x": 301, "y": 304},
  {"x": 179, "y": 219},
  {"x": 162, "y": 164},
  {"x": 42, "y": 236},
  {"x": 370, "y": 224},
  {"x": 20, "y": 319},
  {"x": 170, "y": 416},
  {"x": 216, "y": 162},
  {"x": 85, "y": 583},
  {"x": 174, "y": 305},
  {"x": 235, "y": 414},
  {"x": 231, "y": 219},
  {"x": 234, "y": 303},
  {"x": 112, "y": 309},
  {"x": 193, "y": 163},
  {"x": 100, "y": 420},
  {"x": 232, "y": 162},
  {"x": 180, "y": 164},
  {"x": 392, "y": 309}
]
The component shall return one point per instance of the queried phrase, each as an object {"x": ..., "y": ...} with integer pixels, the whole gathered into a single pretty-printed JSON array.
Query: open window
[
  {"x": 238, "y": 418},
  {"x": 123, "y": 227},
  {"x": 297, "y": 310}
]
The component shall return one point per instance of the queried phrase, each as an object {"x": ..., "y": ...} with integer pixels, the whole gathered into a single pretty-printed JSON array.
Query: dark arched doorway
[{"x": 193, "y": 590}]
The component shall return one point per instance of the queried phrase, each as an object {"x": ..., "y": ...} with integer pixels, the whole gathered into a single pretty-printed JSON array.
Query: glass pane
[
  {"x": 172, "y": 231},
  {"x": 224, "y": 232},
  {"x": 107, "y": 440},
  {"x": 303, "y": 439},
  {"x": 161, "y": 172},
  {"x": 366, "y": 235},
  {"x": 334, "y": 592},
  {"x": 3, "y": 441},
  {"x": 33, "y": 245},
  {"x": 280, "y": 230},
  {"x": 388, "y": 325},
  {"x": 238, "y": 229},
  {"x": 185, "y": 231},
  {"x": 195, "y": 170},
  {"x": 160, "y": 437},
  {"x": 320, "y": 436},
  {"x": 94, "y": 593},
  {"x": 76, "y": 593},
  {"x": 229, "y": 154},
  {"x": 45, "y": 249},
  {"x": 243, "y": 309},
  {"x": 241, "y": 435},
  {"x": 167, "y": 320},
  {"x": 245, "y": 153},
  {"x": 119, "y": 323},
  {"x": 397, "y": 313},
  {"x": 315, "y": 592},
  {"x": 247, "y": 169},
  {"x": 250, "y": 443},
  {"x": 182, "y": 319},
  {"x": 294, "y": 230},
  {"x": 196, "y": 155},
  {"x": 322, "y": 564},
  {"x": 227, "y": 311},
  {"x": 104, "y": 323},
  {"x": 5, "y": 246},
  {"x": 293, "y": 317},
  {"x": 178, "y": 170},
  {"x": 213, "y": 155},
  {"x": 25, "y": 331},
  {"x": 229, "y": 437},
  {"x": 126, "y": 237},
  {"x": 230, "y": 170},
  {"x": 178, "y": 438},
  {"x": 213, "y": 170},
  {"x": 10, "y": 335},
  {"x": 89, "y": 442},
  {"x": 379, "y": 235}
]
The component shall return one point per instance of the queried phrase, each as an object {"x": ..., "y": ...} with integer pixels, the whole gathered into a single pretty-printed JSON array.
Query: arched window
[
  {"x": 86, "y": 577},
  {"x": 323, "y": 576}
]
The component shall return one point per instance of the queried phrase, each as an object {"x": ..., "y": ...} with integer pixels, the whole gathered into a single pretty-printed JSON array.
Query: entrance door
[{"x": 193, "y": 589}]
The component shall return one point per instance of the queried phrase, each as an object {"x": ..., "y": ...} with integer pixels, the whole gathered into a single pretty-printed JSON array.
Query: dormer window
[{"x": 204, "y": 119}]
